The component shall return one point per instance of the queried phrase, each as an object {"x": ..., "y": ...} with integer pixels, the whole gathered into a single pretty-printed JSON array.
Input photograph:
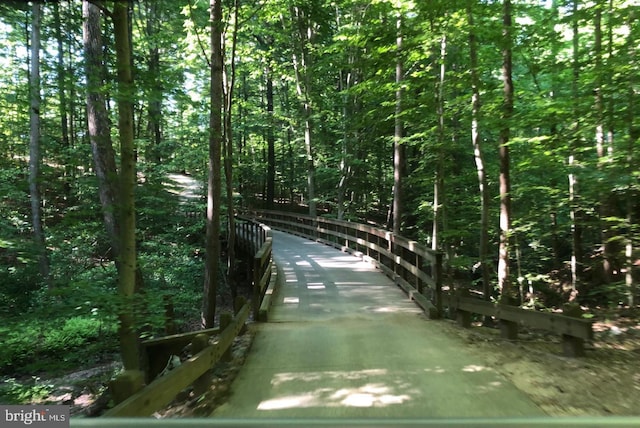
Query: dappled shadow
[{"x": 376, "y": 388}]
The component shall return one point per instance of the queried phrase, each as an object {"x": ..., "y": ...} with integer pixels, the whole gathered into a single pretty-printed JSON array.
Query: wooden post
[
  {"x": 572, "y": 346},
  {"x": 126, "y": 384},
  {"x": 225, "y": 321},
  {"x": 463, "y": 318},
  {"x": 509, "y": 329},
  {"x": 238, "y": 303},
  {"x": 202, "y": 384},
  {"x": 256, "y": 287},
  {"x": 437, "y": 273}
]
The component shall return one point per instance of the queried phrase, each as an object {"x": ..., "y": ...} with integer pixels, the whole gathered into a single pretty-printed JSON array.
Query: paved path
[{"x": 344, "y": 342}]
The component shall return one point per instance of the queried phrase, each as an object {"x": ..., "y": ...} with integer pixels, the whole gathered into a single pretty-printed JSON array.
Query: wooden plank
[
  {"x": 560, "y": 324},
  {"x": 269, "y": 295},
  {"x": 556, "y": 323},
  {"x": 178, "y": 338},
  {"x": 163, "y": 390}
]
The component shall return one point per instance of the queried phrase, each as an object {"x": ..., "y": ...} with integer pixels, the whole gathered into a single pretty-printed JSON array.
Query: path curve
[{"x": 344, "y": 342}]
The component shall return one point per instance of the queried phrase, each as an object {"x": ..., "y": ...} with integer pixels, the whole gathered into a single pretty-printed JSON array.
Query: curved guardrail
[
  {"x": 414, "y": 267},
  {"x": 418, "y": 270}
]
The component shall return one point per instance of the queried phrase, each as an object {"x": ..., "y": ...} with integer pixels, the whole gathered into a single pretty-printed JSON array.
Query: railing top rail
[
  {"x": 382, "y": 233},
  {"x": 263, "y": 226}
]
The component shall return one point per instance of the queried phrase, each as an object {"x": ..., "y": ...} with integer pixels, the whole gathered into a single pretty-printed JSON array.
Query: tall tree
[
  {"x": 478, "y": 154},
  {"x": 576, "y": 226},
  {"x": 35, "y": 156},
  {"x": 303, "y": 35},
  {"x": 98, "y": 123},
  {"x": 129, "y": 344},
  {"x": 399, "y": 160},
  {"x": 504, "y": 280},
  {"x": 214, "y": 182}
]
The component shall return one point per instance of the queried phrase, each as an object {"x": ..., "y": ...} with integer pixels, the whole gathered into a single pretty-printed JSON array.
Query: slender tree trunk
[
  {"x": 214, "y": 182},
  {"x": 478, "y": 154},
  {"x": 601, "y": 150},
  {"x": 345, "y": 84},
  {"x": 35, "y": 156},
  {"x": 129, "y": 345},
  {"x": 398, "y": 148},
  {"x": 271, "y": 140},
  {"x": 576, "y": 226},
  {"x": 154, "y": 108},
  {"x": 438, "y": 182},
  {"x": 62, "y": 96},
  {"x": 228, "y": 158},
  {"x": 302, "y": 66},
  {"x": 98, "y": 123},
  {"x": 504, "y": 278},
  {"x": 634, "y": 136}
]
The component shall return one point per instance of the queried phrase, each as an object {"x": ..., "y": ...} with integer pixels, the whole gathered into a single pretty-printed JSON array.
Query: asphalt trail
[{"x": 344, "y": 342}]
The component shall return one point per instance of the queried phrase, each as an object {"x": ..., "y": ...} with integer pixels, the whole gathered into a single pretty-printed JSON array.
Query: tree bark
[
  {"x": 154, "y": 108},
  {"x": 228, "y": 159},
  {"x": 478, "y": 154},
  {"x": 438, "y": 182},
  {"x": 129, "y": 344},
  {"x": 576, "y": 226},
  {"x": 214, "y": 182},
  {"x": 602, "y": 152},
  {"x": 504, "y": 278},
  {"x": 398, "y": 147},
  {"x": 301, "y": 66},
  {"x": 98, "y": 124},
  {"x": 35, "y": 156},
  {"x": 62, "y": 97},
  {"x": 271, "y": 140},
  {"x": 634, "y": 136}
]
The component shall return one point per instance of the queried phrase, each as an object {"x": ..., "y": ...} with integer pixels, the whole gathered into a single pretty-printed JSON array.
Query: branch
[{"x": 195, "y": 28}]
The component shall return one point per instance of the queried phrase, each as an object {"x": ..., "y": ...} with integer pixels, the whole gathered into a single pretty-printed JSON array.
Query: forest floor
[{"x": 604, "y": 383}]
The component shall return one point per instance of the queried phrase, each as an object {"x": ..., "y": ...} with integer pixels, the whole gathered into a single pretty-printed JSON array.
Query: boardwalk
[{"x": 344, "y": 342}]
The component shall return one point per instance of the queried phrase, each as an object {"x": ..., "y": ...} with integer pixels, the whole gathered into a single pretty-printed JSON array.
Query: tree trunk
[
  {"x": 154, "y": 108},
  {"x": 228, "y": 160},
  {"x": 576, "y": 226},
  {"x": 301, "y": 66},
  {"x": 271, "y": 140},
  {"x": 605, "y": 209},
  {"x": 504, "y": 278},
  {"x": 129, "y": 344},
  {"x": 98, "y": 123},
  {"x": 398, "y": 147},
  {"x": 634, "y": 136},
  {"x": 438, "y": 182},
  {"x": 62, "y": 97},
  {"x": 478, "y": 154},
  {"x": 214, "y": 182},
  {"x": 34, "y": 145}
]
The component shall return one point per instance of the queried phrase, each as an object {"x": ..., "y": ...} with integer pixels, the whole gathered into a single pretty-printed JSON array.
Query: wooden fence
[
  {"x": 414, "y": 267},
  {"x": 255, "y": 237},
  {"x": 164, "y": 384},
  {"x": 418, "y": 270}
]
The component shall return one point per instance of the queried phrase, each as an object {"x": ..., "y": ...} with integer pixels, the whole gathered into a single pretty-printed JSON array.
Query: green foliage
[
  {"x": 13, "y": 391},
  {"x": 33, "y": 344}
]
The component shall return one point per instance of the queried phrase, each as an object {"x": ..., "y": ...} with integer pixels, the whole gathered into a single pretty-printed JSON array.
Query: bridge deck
[{"x": 344, "y": 342}]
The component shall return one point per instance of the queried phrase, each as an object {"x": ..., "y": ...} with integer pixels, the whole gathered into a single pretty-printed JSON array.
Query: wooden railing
[
  {"x": 255, "y": 237},
  {"x": 164, "y": 382},
  {"x": 574, "y": 331},
  {"x": 194, "y": 371},
  {"x": 418, "y": 270},
  {"x": 414, "y": 267}
]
